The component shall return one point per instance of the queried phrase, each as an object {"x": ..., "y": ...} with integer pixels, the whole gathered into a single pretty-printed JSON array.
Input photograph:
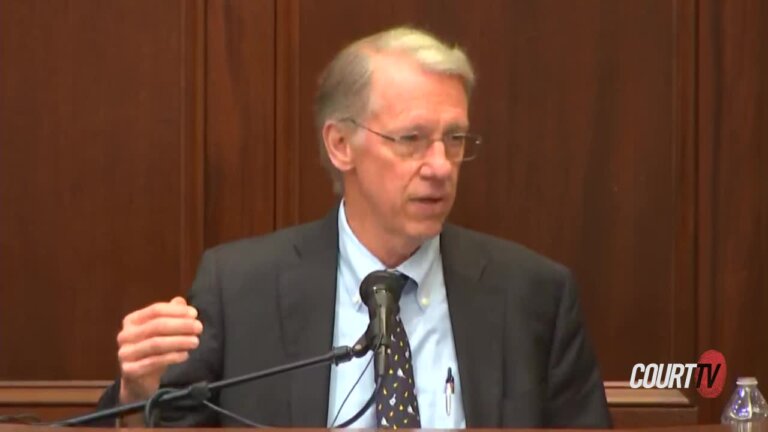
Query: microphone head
[
  {"x": 380, "y": 291},
  {"x": 379, "y": 285}
]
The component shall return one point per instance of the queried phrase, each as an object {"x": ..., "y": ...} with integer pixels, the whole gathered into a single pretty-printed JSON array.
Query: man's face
[{"x": 405, "y": 197}]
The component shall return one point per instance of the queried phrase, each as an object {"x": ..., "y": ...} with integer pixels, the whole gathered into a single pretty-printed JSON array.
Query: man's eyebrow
[
  {"x": 456, "y": 127},
  {"x": 424, "y": 127},
  {"x": 415, "y": 127}
]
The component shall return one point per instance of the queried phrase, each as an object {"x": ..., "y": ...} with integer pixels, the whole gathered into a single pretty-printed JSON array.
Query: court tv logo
[{"x": 707, "y": 375}]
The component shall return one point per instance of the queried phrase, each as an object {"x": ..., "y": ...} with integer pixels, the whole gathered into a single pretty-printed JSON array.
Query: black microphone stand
[
  {"x": 380, "y": 291},
  {"x": 201, "y": 391}
]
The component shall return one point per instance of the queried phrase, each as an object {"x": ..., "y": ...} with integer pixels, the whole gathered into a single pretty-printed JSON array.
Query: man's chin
[{"x": 425, "y": 230}]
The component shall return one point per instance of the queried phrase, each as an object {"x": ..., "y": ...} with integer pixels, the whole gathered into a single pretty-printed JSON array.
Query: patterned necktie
[{"x": 396, "y": 404}]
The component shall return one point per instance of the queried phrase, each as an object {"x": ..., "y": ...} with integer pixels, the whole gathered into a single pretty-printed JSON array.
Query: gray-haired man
[{"x": 392, "y": 111}]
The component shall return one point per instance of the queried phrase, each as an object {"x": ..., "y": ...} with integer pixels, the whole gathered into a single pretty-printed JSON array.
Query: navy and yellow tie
[{"x": 396, "y": 404}]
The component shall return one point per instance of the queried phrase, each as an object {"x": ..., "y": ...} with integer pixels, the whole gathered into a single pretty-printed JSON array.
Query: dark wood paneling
[
  {"x": 587, "y": 116},
  {"x": 683, "y": 282},
  {"x": 289, "y": 149},
  {"x": 240, "y": 119},
  {"x": 97, "y": 205},
  {"x": 579, "y": 111},
  {"x": 733, "y": 189},
  {"x": 192, "y": 138}
]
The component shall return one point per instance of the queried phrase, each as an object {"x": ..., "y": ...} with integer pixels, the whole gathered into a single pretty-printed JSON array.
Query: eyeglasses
[{"x": 459, "y": 147}]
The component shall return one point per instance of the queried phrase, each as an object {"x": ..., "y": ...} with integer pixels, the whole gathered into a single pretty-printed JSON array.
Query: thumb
[{"x": 179, "y": 301}]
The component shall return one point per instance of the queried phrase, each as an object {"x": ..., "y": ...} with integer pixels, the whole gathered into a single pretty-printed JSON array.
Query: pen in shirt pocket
[{"x": 449, "y": 389}]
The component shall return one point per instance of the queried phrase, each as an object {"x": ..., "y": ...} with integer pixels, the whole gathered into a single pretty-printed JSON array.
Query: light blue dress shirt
[{"x": 424, "y": 312}]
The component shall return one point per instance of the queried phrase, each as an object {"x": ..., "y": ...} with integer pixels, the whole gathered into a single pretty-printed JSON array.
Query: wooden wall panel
[
  {"x": 582, "y": 106},
  {"x": 98, "y": 188},
  {"x": 733, "y": 189},
  {"x": 240, "y": 119},
  {"x": 580, "y": 113}
]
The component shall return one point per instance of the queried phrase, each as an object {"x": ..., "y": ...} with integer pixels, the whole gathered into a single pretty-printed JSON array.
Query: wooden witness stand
[
  {"x": 630, "y": 408},
  {"x": 700, "y": 428}
]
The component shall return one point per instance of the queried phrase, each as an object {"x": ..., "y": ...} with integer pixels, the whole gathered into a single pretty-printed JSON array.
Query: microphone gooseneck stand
[
  {"x": 201, "y": 391},
  {"x": 380, "y": 291}
]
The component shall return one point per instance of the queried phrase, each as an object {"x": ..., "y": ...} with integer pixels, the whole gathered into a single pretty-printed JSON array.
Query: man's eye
[
  {"x": 455, "y": 139},
  {"x": 410, "y": 138}
]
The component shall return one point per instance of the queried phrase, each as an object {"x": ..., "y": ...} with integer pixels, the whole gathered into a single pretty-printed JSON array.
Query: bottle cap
[{"x": 746, "y": 381}]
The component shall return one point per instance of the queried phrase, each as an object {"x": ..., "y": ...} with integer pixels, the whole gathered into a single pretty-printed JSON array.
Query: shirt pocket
[{"x": 435, "y": 415}]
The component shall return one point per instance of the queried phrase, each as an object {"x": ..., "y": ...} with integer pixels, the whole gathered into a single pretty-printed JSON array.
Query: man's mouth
[{"x": 429, "y": 199}]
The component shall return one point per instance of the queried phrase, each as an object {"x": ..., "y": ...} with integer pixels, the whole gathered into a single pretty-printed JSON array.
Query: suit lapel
[
  {"x": 307, "y": 293},
  {"x": 477, "y": 314}
]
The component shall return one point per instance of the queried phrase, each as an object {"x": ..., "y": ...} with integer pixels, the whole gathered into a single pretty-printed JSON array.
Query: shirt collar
[{"x": 358, "y": 261}]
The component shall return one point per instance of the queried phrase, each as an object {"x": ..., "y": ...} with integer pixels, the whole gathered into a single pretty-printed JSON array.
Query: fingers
[
  {"x": 160, "y": 327},
  {"x": 175, "y": 308},
  {"x": 151, "y": 366},
  {"x": 152, "y": 339},
  {"x": 179, "y": 301},
  {"x": 156, "y": 346}
]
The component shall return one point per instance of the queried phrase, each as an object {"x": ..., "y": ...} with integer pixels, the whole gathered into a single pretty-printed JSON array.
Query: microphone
[{"x": 380, "y": 291}]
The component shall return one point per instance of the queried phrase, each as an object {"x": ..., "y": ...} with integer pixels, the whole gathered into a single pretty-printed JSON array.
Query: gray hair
[{"x": 344, "y": 86}]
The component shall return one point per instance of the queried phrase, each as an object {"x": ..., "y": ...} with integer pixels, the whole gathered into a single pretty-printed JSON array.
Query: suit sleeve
[
  {"x": 576, "y": 393},
  {"x": 204, "y": 363}
]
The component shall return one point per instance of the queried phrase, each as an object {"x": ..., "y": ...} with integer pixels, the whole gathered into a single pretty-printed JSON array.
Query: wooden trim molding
[
  {"x": 48, "y": 393},
  {"x": 620, "y": 394},
  {"x": 643, "y": 408},
  {"x": 630, "y": 407}
]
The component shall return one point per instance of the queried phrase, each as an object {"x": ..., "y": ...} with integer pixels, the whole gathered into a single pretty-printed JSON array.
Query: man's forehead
[
  {"x": 400, "y": 75},
  {"x": 400, "y": 86},
  {"x": 392, "y": 64}
]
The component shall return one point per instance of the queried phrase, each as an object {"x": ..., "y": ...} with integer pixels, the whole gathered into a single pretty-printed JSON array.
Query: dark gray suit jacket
[{"x": 523, "y": 354}]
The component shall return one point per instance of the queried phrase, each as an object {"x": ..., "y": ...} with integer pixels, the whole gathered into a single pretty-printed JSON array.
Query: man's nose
[{"x": 436, "y": 162}]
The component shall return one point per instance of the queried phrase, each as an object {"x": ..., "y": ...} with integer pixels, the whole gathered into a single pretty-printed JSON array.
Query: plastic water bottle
[{"x": 747, "y": 409}]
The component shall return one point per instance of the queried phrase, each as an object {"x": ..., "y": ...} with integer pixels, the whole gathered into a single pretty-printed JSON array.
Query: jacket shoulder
[
  {"x": 263, "y": 251},
  {"x": 502, "y": 253}
]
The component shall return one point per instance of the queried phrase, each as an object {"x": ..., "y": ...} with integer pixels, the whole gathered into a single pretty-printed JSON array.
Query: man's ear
[{"x": 338, "y": 145}]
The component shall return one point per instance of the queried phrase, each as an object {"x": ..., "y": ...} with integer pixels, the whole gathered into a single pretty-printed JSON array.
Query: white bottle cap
[{"x": 746, "y": 381}]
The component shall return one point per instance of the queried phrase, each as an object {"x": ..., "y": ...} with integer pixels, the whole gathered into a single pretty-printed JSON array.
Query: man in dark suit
[{"x": 489, "y": 333}]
